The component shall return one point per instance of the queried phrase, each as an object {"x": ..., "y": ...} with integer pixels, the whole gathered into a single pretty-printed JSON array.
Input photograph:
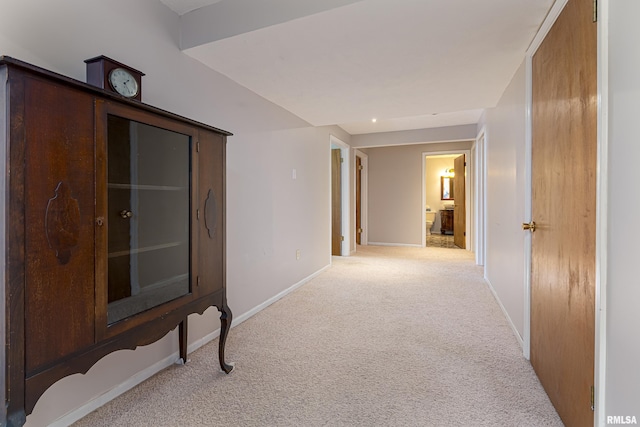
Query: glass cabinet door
[{"x": 149, "y": 178}]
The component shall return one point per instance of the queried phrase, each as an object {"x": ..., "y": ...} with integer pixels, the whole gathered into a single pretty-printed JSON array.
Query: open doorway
[
  {"x": 445, "y": 196},
  {"x": 340, "y": 197}
]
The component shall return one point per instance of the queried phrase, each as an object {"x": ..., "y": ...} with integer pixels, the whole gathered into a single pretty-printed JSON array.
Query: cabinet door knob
[
  {"x": 531, "y": 226},
  {"x": 125, "y": 214}
]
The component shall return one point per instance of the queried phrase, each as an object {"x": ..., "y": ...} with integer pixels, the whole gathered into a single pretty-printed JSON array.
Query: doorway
[
  {"x": 440, "y": 203},
  {"x": 341, "y": 236}
]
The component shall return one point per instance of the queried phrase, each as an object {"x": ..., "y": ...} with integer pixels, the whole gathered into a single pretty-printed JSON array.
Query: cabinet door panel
[
  {"x": 59, "y": 216},
  {"x": 211, "y": 189}
]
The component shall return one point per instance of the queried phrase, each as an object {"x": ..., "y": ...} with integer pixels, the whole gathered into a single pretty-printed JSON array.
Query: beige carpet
[
  {"x": 435, "y": 240},
  {"x": 388, "y": 337}
]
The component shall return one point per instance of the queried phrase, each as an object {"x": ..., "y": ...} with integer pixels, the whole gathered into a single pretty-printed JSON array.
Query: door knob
[
  {"x": 531, "y": 226},
  {"x": 125, "y": 214}
]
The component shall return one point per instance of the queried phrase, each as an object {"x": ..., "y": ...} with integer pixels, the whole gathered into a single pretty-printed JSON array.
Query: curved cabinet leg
[{"x": 225, "y": 325}]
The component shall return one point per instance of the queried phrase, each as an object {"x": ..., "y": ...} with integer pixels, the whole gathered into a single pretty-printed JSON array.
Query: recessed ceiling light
[{"x": 374, "y": 120}]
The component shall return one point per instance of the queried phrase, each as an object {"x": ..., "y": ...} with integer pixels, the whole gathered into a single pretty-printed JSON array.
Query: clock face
[{"x": 123, "y": 82}]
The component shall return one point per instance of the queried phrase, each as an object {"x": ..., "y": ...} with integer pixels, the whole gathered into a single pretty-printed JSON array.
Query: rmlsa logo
[{"x": 619, "y": 419}]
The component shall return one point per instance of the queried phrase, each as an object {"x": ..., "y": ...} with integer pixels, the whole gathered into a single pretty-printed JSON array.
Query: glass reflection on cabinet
[{"x": 148, "y": 216}]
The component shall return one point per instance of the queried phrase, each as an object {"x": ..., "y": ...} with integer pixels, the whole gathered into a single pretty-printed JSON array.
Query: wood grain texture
[
  {"x": 358, "y": 200},
  {"x": 210, "y": 181},
  {"x": 460, "y": 210},
  {"x": 336, "y": 203},
  {"x": 563, "y": 207},
  {"x": 15, "y": 267},
  {"x": 59, "y": 298}
]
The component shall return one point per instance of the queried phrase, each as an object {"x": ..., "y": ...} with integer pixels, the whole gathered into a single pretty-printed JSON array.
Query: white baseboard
[
  {"x": 141, "y": 376},
  {"x": 395, "y": 244},
  {"x": 133, "y": 381},
  {"x": 506, "y": 314},
  {"x": 267, "y": 303}
]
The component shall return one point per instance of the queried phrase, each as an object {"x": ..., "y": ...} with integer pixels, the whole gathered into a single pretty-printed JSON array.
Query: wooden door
[
  {"x": 563, "y": 208},
  {"x": 358, "y": 200},
  {"x": 336, "y": 203},
  {"x": 459, "y": 208}
]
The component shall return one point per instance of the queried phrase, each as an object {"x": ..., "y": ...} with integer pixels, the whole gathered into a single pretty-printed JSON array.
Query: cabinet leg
[
  {"x": 225, "y": 324},
  {"x": 182, "y": 337}
]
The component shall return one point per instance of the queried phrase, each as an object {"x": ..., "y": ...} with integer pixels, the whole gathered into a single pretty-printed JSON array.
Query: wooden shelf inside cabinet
[
  {"x": 145, "y": 187},
  {"x": 115, "y": 188}
]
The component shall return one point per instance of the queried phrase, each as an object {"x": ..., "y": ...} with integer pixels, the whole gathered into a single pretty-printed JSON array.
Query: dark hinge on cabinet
[
  {"x": 197, "y": 146},
  {"x": 595, "y": 10},
  {"x": 593, "y": 398},
  {"x": 198, "y": 281},
  {"x": 198, "y": 213}
]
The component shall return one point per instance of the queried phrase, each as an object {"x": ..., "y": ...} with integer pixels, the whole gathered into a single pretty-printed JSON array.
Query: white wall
[
  {"x": 395, "y": 191},
  {"x": 623, "y": 286},
  {"x": 269, "y": 214},
  {"x": 505, "y": 157}
]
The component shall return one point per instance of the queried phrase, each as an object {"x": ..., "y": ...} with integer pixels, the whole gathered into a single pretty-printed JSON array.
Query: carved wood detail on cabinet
[
  {"x": 82, "y": 279},
  {"x": 210, "y": 214}
]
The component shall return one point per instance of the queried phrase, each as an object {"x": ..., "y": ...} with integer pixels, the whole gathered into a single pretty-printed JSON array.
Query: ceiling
[{"x": 410, "y": 64}]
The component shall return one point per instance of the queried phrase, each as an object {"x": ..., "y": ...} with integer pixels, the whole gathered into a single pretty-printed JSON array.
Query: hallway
[{"x": 392, "y": 336}]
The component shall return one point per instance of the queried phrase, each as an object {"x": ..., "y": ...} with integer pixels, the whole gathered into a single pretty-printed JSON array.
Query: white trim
[
  {"x": 550, "y": 19},
  {"x": 150, "y": 371},
  {"x": 238, "y": 320},
  {"x": 90, "y": 406},
  {"x": 480, "y": 195},
  {"x": 505, "y": 312},
  {"x": 602, "y": 186},
  {"x": 526, "y": 329},
  {"x": 345, "y": 171}
]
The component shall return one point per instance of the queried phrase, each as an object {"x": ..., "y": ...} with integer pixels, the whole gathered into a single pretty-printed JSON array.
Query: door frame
[
  {"x": 478, "y": 201},
  {"x": 601, "y": 195},
  {"x": 347, "y": 179},
  {"x": 469, "y": 194}
]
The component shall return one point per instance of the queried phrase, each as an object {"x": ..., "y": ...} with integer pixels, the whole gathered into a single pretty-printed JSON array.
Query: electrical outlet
[{"x": 297, "y": 253}]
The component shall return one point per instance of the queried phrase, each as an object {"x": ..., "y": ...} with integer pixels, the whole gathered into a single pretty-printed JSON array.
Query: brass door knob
[
  {"x": 531, "y": 226},
  {"x": 126, "y": 214}
]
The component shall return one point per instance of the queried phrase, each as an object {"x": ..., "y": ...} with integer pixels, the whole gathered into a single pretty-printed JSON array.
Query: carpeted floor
[{"x": 388, "y": 337}]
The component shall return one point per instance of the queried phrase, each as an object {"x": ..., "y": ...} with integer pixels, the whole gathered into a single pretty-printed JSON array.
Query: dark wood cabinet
[
  {"x": 446, "y": 221},
  {"x": 114, "y": 228}
]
